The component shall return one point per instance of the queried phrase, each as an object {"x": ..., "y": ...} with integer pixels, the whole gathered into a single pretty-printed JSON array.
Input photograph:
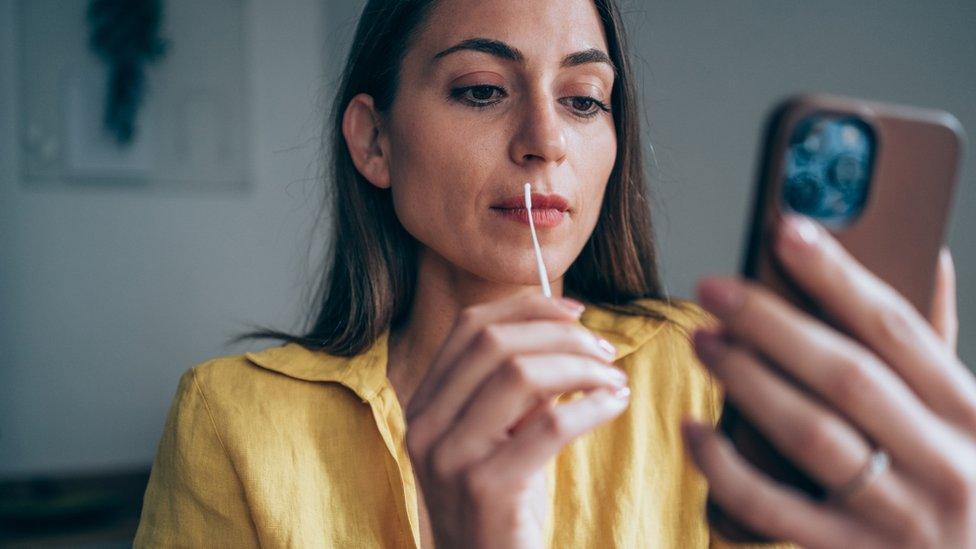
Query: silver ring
[{"x": 877, "y": 464}]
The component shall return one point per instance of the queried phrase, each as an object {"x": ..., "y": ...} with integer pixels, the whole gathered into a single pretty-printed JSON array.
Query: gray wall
[
  {"x": 711, "y": 71},
  {"x": 107, "y": 296}
]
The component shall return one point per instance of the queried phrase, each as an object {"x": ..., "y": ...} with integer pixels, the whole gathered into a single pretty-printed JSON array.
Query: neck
[{"x": 442, "y": 292}]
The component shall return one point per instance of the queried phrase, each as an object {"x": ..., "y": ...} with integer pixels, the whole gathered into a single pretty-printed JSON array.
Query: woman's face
[{"x": 494, "y": 94}]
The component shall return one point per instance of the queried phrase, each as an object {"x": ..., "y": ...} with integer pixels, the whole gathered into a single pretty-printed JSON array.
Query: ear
[{"x": 362, "y": 128}]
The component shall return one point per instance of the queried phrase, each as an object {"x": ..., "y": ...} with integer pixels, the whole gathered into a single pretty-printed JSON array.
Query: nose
[{"x": 540, "y": 136}]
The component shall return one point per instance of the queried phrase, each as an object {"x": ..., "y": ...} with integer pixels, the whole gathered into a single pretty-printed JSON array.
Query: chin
[{"x": 522, "y": 273}]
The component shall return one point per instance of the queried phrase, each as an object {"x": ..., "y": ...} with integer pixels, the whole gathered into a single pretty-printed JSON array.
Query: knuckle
[
  {"x": 441, "y": 463},
  {"x": 957, "y": 487},
  {"x": 755, "y": 300},
  {"x": 851, "y": 383},
  {"x": 774, "y": 519},
  {"x": 415, "y": 411},
  {"x": 416, "y": 442},
  {"x": 968, "y": 418},
  {"x": 747, "y": 508},
  {"x": 556, "y": 424},
  {"x": 735, "y": 359},
  {"x": 516, "y": 373},
  {"x": 892, "y": 324},
  {"x": 538, "y": 301},
  {"x": 917, "y": 532},
  {"x": 815, "y": 437},
  {"x": 489, "y": 338},
  {"x": 468, "y": 316},
  {"x": 476, "y": 483}
]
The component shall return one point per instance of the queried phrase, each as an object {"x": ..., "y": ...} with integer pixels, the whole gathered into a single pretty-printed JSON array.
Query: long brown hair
[{"x": 368, "y": 284}]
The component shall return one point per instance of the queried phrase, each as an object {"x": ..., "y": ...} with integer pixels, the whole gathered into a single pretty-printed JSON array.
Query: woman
[{"x": 440, "y": 399}]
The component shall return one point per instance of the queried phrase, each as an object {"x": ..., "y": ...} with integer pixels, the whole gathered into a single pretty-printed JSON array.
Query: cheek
[
  {"x": 438, "y": 169},
  {"x": 597, "y": 154}
]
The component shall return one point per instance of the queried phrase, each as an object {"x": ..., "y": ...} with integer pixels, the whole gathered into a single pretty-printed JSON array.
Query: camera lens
[
  {"x": 805, "y": 193},
  {"x": 847, "y": 173}
]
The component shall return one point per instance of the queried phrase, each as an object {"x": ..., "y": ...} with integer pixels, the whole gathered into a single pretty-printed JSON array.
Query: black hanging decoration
[{"x": 125, "y": 35}]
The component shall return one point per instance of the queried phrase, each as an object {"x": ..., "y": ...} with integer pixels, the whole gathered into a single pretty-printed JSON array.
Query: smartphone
[{"x": 880, "y": 178}]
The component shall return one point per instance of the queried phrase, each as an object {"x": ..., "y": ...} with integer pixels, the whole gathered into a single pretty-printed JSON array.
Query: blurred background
[{"x": 123, "y": 269}]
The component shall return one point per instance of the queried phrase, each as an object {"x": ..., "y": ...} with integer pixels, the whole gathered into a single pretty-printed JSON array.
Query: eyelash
[{"x": 458, "y": 95}]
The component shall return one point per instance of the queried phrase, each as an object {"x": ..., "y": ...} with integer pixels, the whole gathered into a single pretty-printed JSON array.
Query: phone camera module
[{"x": 828, "y": 168}]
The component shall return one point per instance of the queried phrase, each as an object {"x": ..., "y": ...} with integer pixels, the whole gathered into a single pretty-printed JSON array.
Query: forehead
[{"x": 543, "y": 29}]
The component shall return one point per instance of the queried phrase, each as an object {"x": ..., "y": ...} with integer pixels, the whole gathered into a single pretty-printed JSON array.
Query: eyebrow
[{"x": 502, "y": 50}]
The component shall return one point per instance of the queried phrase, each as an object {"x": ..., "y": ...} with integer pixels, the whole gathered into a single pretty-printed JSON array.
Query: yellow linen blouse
[{"x": 288, "y": 447}]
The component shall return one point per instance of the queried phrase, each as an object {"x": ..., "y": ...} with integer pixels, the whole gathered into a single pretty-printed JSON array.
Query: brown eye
[
  {"x": 583, "y": 106},
  {"x": 482, "y": 93},
  {"x": 583, "y": 103},
  {"x": 482, "y": 96}
]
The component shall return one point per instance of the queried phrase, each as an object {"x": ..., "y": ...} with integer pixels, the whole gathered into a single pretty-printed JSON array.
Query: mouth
[
  {"x": 548, "y": 210},
  {"x": 540, "y": 201}
]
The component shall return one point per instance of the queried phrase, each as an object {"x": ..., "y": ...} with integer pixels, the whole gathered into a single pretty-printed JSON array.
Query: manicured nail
[
  {"x": 571, "y": 305},
  {"x": 622, "y": 393},
  {"x": 721, "y": 296},
  {"x": 709, "y": 346},
  {"x": 607, "y": 348},
  {"x": 799, "y": 232}
]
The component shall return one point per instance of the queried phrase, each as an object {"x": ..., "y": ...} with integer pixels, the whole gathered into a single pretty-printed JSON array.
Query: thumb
[{"x": 943, "y": 316}]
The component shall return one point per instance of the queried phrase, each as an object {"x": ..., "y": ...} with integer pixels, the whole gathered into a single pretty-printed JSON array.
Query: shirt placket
[{"x": 390, "y": 422}]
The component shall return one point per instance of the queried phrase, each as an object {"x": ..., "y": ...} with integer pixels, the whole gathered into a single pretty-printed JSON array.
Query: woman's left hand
[{"x": 894, "y": 383}]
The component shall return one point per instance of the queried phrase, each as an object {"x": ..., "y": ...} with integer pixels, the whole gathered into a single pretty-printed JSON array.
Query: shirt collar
[{"x": 365, "y": 374}]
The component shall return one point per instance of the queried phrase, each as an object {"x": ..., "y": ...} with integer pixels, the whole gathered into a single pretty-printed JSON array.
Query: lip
[
  {"x": 542, "y": 218},
  {"x": 540, "y": 201},
  {"x": 548, "y": 210}
]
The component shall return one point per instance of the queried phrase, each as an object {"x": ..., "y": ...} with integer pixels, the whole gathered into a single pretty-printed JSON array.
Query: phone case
[{"x": 897, "y": 233}]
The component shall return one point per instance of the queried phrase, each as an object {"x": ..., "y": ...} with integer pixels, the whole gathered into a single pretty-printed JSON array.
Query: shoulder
[
  {"x": 271, "y": 387},
  {"x": 232, "y": 377},
  {"x": 285, "y": 366}
]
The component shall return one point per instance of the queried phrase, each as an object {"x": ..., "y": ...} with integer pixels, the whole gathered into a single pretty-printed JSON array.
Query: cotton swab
[{"x": 543, "y": 275}]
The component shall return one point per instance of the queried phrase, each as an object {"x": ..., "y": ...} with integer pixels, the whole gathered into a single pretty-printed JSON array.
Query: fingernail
[
  {"x": 622, "y": 393},
  {"x": 693, "y": 431},
  {"x": 571, "y": 305},
  {"x": 709, "y": 346},
  {"x": 721, "y": 296},
  {"x": 607, "y": 348},
  {"x": 799, "y": 232}
]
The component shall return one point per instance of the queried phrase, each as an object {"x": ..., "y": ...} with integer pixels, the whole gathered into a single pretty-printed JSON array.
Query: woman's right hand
[{"x": 484, "y": 422}]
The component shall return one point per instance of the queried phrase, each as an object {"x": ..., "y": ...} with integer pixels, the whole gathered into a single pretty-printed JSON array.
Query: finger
[
  {"x": 880, "y": 317},
  {"x": 840, "y": 371},
  {"x": 510, "y": 392},
  {"x": 493, "y": 348},
  {"x": 763, "y": 506},
  {"x": 522, "y": 306},
  {"x": 944, "y": 318},
  {"x": 549, "y": 431},
  {"x": 808, "y": 434}
]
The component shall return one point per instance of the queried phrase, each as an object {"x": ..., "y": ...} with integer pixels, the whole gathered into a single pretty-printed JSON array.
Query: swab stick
[{"x": 543, "y": 275}]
